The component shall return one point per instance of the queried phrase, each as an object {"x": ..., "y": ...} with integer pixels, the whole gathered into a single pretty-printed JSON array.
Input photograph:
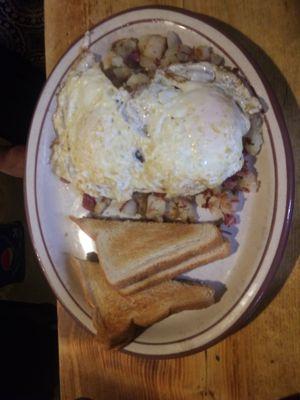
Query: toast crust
[
  {"x": 126, "y": 248},
  {"x": 166, "y": 264},
  {"x": 218, "y": 253}
]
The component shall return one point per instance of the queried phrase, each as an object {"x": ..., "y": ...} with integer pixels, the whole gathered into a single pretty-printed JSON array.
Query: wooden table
[{"x": 261, "y": 361}]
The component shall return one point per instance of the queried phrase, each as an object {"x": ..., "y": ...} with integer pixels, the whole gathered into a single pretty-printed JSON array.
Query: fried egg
[
  {"x": 179, "y": 135},
  {"x": 95, "y": 146}
]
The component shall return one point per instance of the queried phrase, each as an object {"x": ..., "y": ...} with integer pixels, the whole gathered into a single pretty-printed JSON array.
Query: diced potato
[
  {"x": 200, "y": 200},
  {"x": 152, "y": 46},
  {"x": 143, "y": 40},
  {"x": 207, "y": 215},
  {"x": 185, "y": 53},
  {"x": 227, "y": 203},
  {"x": 122, "y": 73},
  {"x": 172, "y": 212},
  {"x": 181, "y": 209},
  {"x": 186, "y": 210},
  {"x": 156, "y": 206},
  {"x": 202, "y": 53},
  {"x": 173, "y": 40},
  {"x": 211, "y": 213},
  {"x": 214, "y": 202},
  {"x": 216, "y": 59},
  {"x": 101, "y": 204},
  {"x": 137, "y": 80},
  {"x": 253, "y": 145},
  {"x": 107, "y": 60},
  {"x": 148, "y": 64},
  {"x": 170, "y": 57},
  {"x": 141, "y": 201},
  {"x": 117, "y": 61},
  {"x": 124, "y": 47},
  {"x": 129, "y": 208},
  {"x": 249, "y": 183}
]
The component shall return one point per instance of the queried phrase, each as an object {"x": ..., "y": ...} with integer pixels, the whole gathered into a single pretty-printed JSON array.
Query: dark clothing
[
  {"x": 20, "y": 85},
  {"x": 28, "y": 334},
  {"x": 22, "y": 66},
  {"x": 29, "y": 351},
  {"x": 22, "y": 29}
]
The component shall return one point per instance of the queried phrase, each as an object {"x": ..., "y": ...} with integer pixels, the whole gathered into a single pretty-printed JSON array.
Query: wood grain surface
[{"x": 261, "y": 361}]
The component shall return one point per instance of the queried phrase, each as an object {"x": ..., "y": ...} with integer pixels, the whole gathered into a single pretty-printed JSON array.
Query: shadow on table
[
  {"x": 29, "y": 351},
  {"x": 290, "y": 111},
  {"x": 295, "y": 396}
]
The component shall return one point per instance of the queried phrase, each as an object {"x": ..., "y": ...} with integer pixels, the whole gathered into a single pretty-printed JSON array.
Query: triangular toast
[
  {"x": 119, "y": 319},
  {"x": 131, "y": 251}
]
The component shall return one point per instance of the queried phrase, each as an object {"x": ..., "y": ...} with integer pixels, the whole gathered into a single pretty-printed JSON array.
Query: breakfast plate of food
[{"x": 159, "y": 182}]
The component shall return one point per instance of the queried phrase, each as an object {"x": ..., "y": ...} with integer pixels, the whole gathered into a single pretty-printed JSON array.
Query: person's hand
[{"x": 12, "y": 160}]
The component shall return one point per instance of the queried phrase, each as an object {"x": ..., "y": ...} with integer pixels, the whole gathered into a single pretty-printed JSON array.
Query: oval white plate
[{"x": 259, "y": 238}]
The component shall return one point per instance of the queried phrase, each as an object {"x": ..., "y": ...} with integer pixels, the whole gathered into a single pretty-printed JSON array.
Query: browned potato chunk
[
  {"x": 185, "y": 53},
  {"x": 117, "y": 61},
  {"x": 156, "y": 206},
  {"x": 207, "y": 214},
  {"x": 143, "y": 40},
  {"x": 187, "y": 210},
  {"x": 173, "y": 40},
  {"x": 118, "y": 75},
  {"x": 101, "y": 205},
  {"x": 254, "y": 138},
  {"x": 170, "y": 57},
  {"x": 152, "y": 46},
  {"x": 106, "y": 60},
  {"x": 172, "y": 212},
  {"x": 181, "y": 209},
  {"x": 136, "y": 80},
  {"x": 147, "y": 63},
  {"x": 249, "y": 183},
  {"x": 124, "y": 47},
  {"x": 202, "y": 53},
  {"x": 129, "y": 208},
  {"x": 216, "y": 59},
  {"x": 122, "y": 73},
  {"x": 141, "y": 201}
]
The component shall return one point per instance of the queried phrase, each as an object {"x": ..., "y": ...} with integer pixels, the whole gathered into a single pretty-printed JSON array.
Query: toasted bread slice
[
  {"x": 119, "y": 319},
  {"x": 130, "y": 251},
  {"x": 217, "y": 253}
]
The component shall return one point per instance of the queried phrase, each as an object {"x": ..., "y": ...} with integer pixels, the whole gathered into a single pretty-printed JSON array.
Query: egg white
[
  {"x": 95, "y": 147},
  {"x": 187, "y": 127}
]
